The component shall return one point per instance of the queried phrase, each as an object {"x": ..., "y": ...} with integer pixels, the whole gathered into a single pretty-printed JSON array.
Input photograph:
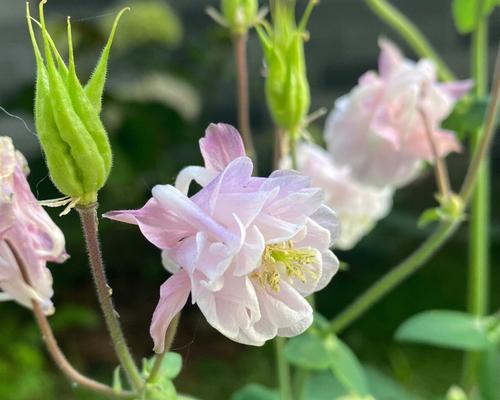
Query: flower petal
[
  {"x": 173, "y": 296},
  {"x": 221, "y": 145}
]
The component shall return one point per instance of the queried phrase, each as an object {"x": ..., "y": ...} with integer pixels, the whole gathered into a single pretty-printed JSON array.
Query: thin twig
[
  {"x": 88, "y": 217},
  {"x": 442, "y": 176},
  {"x": 240, "y": 52},
  {"x": 54, "y": 350},
  {"x": 169, "y": 339}
]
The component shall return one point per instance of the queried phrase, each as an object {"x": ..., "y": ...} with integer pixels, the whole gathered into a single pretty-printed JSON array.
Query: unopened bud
[
  {"x": 72, "y": 136},
  {"x": 240, "y": 15},
  {"x": 287, "y": 87}
]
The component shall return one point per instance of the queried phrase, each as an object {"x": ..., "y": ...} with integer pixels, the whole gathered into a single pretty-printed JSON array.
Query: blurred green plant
[{"x": 153, "y": 21}]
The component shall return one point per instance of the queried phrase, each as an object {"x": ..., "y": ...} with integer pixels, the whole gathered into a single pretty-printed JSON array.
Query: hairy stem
[
  {"x": 478, "y": 281},
  {"x": 88, "y": 218},
  {"x": 408, "y": 31},
  {"x": 285, "y": 383},
  {"x": 54, "y": 350},
  {"x": 240, "y": 51},
  {"x": 169, "y": 339}
]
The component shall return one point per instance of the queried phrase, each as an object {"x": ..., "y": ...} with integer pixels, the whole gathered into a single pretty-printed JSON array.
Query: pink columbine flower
[
  {"x": 247, "y": 249},
  {"x": 26, "y": 227},
  {"x": 377, "y": 129},
  {"x": 359, "y": 207}
]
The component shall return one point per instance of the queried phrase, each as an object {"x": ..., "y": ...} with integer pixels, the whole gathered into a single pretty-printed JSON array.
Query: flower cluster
[
  {"x": 247, "y": 249},
  {"x": 377, "y": 140},
  {"x": 27, "y": 235}
]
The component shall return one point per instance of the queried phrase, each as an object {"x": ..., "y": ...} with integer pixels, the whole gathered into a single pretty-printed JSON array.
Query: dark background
[{"x": 161, "y": 95}]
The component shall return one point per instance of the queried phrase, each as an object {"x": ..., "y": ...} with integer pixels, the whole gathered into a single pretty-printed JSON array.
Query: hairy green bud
[
  {"x": 287, "y": 87},
  {"x": 240, "y": 15},
  {"x": 72, "y": 136}
]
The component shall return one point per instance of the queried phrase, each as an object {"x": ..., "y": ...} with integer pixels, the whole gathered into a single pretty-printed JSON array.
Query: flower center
[{"x": 282, "y": 260}]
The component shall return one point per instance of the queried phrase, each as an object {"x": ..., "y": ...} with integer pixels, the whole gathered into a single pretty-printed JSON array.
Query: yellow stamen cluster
[{"x": 283, "y": 258}]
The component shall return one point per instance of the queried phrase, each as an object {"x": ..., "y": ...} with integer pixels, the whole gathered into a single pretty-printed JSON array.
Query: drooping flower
[
  {"x": 27, "y": 229},
  {"x": 377, "y": 129},
  {"x": 247, "y": 249},
  {"x": 358, "y": 206}
]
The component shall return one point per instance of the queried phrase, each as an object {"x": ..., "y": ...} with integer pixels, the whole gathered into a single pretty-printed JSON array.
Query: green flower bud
[
  {"x": 287, "y": 88},
  {"x": 72, "y": 136},
  {"x": 240, "y": 15}
]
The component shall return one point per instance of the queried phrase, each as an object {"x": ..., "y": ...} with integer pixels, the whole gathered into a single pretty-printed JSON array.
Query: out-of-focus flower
[
  {"x": 71, "y": 133},
  {"x": 287, "y": 87},
  {"x": 377, "y": 129},
  {"x": 27, "y": 228},
  {"x": 247, "y": 249},
  {"x": 358, "y": 206}
]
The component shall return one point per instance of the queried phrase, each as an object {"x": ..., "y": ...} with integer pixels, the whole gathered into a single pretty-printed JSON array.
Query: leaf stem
[
  {"x": 240, "y": 52},
  {"x": 409, "y": 31},
  {"x": 55, "y": 351},
  {"x": 88, "y": 218}
]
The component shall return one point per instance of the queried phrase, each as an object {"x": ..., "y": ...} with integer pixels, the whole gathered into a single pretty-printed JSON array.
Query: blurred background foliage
[{"x": 172, "y": 73}]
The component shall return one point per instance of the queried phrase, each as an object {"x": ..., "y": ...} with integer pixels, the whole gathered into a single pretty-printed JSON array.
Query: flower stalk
[
  {"x": 55, "y": 351},
  {"x": 88, "y": 218},
  {"x": 240, "y": 51}
]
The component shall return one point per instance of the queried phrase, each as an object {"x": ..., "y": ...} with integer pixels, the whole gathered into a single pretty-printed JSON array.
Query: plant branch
[
  {"x": 54, "y": 350},
  {"x": 410, "y": 32},
  {"x": 88, "y": 218},
  {"x": 240, "y": 52}
]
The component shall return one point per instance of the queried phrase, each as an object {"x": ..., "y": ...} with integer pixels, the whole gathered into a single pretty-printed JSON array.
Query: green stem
[
  {"x": 394, "y": 277},
  {"x": 283, "y": 368},
  {"x": 88, "y": 218},
  {"x": 408, "y": 31},
  {"x": 479, "y": 227}
]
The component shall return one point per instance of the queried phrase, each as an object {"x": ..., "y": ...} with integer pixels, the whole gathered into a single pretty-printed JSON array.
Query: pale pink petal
[
  {"x": 202, "y": 176},
  {"x": 221, "y": 145},
  {"x": 457, "y": 89},
  {"x": 390, "y": 57},
  {"x": 173, "y": 296},
  {"x": 330, "y": 267}
]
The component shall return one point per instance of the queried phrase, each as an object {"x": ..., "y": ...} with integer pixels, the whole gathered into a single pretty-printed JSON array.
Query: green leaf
[
  {"x": 465, "y": 13},
  {"x": 308, "y": 351},
  {"x": 489, "y": 381},
  {"x": 255, "y": 392},
  {"x": 451, "y": 329},
  {"x": 171, "y": 365},
  {"x": 467, "y": 116},
  {"x": 323, "y": 386},
  {"x": 428, "y": 216},
  {"x": 346, "y": 366},
  {"x": 383, "y": 387}
]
